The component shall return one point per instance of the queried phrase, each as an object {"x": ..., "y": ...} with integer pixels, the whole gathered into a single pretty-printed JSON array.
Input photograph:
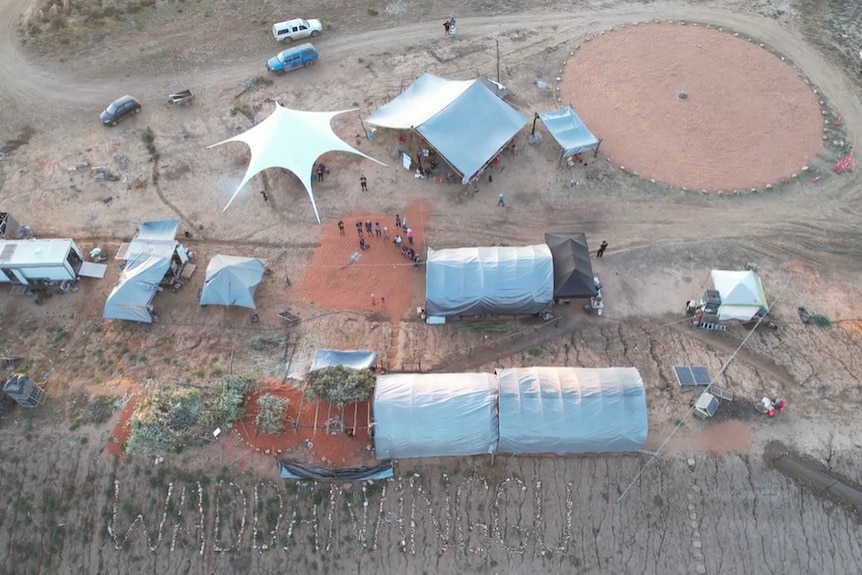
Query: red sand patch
[
  {"x": 732, "y": 436},
  {"x": 338, "y": 450},
  {"x": 747, "y": 120},
  {"x": 122, "y": 429},
  {"x": 331, "y": 282}
]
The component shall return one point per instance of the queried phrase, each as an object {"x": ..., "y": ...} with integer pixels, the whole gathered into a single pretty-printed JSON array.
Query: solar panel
[
  {"x": 701, "y": 375},
  {"x": 684, "y": 376},
  {"x": 692, "y": 376}
]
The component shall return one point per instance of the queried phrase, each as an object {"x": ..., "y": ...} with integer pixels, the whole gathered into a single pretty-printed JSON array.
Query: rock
[
  {"x": 652, "y": 181},
  {"x": 690, "y": 463},
  {"x": 753, "y": 190},
  {"x": 768, "y": 186},
  {"x": 53, "y": 12},
  {"x": 804, "y": 168},
  {"x": 793, "y": 175}
]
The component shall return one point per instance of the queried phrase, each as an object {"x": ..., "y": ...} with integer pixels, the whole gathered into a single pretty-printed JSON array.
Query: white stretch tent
[
  {"x": 354, "y": 359},
  {"x": 566, "y": 410},
  {"x": 232, "y": 281},
  {"x": 569, "y": 131},
  {"x": 435, "y": 415},
  {"x": 463, "y": 120},
  {"x": 130, "y": 299},
  {"x": 489, "y": 281},
  {"x": 293, "y": 140},
  {"x": 742, "y": 295}
]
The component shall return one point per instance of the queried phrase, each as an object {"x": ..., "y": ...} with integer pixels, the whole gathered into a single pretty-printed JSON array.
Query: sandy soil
[
  {"x": 694, "y": 107},
  {"x": 71, "y": 507}
]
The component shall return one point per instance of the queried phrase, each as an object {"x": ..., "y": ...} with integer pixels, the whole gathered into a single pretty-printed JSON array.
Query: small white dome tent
[
  {"x": 568, "y": 410},
  {"x": 435, "y": 415}
]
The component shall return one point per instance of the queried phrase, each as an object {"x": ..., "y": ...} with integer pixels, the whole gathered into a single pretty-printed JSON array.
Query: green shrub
[
  {"x": 266, "y": 343},
  {"x": 271, "y": 413},
  {"x": 174, "y": 417},
  {"x": 339, "y": 385}
]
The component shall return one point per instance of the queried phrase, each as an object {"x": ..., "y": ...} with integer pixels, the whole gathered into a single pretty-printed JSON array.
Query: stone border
[{"x": 831, "y": 119}]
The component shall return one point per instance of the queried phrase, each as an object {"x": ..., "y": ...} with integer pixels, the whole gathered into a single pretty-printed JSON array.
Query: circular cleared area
[{"x": 693, "y": 107}]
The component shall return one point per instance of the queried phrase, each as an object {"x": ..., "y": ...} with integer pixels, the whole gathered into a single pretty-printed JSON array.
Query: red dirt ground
[
  {"x": 330, "y": 283},
  {"x": 339, "y": 450},
  {"x": 121, "y": 430},
  {"x": 748, "y": 120}
]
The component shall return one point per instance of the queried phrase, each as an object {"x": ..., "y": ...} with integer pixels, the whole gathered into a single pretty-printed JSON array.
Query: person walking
[
  {"x": 404, "y": 225},
  {"x": 321, "y": 169},
  {"x": 368, "y": 227},
  {"x": 382, "y": 301},
  {"x": 397, "y": 222},
  {"x": 385, "y": 232},
  {"x": 410, "y": 235},
  {"x": 265, "y": 197},
  {"x": 501, "y": 201},
  {"x": 377, "y": 229},
  {"x": 446, "y": 28},
  {"x": 373, "y": 300},
  {"x": 602, "y": 248},
  {"x": 363, "y": 182},
  {"x": 359, "y": 228},
  {"x": 341, "y": 227}
]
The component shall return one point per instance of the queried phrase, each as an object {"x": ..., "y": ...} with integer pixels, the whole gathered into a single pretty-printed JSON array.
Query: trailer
[{"x": 28, "y": 261}]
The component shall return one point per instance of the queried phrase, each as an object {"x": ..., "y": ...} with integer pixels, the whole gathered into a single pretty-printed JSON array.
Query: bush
[
  {"x": 271, "y": 413},
  {"x": 174, "y": 417},
  {"x": 225, "y": 399},
  {"x": 164, "y": 420},
  {"x": 339, "y": 385},
  {"x": 266, "y": 343}
]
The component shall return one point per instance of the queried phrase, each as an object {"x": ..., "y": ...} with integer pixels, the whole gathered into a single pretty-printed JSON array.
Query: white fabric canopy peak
[
  {"x": 293, "y": 140},
  {"x": 742, "y": 295}
]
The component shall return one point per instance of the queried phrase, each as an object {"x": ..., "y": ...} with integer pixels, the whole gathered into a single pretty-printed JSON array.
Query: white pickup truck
[{"x": 296, "y": 29}]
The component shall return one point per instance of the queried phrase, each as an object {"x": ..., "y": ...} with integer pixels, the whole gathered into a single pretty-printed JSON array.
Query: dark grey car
[{"x": 119, "y": 110}]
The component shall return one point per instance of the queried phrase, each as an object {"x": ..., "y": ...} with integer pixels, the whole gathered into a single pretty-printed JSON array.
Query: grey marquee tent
[
  {"x": 573, "y": 271},
  {"x": 232, "y": 281},
  {"x": 489, "y": 281},
  {"x": 567, "y": 410},
  {"x": 435, "y": 415},
  {"x": 463, "y": 120}
]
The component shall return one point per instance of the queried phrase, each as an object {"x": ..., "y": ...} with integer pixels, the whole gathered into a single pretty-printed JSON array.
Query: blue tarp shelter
[{"x": 569, "y": 131}]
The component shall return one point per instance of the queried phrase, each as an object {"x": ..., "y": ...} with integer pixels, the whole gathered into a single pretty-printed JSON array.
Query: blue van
[{"x": 296, "y": 57}]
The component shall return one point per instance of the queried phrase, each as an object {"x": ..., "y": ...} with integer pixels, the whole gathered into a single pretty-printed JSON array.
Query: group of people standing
[{"x": 375, "y": 230}]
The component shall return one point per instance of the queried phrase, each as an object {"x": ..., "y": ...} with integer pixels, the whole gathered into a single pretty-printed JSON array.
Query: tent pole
[
  {"x": 596, "y": 151},
  {"x": 498, "y": 60},
  {"x": 535, "y": 117},
  {"x": 361, "y": 123},
  {"x": 410, "y": 150}
]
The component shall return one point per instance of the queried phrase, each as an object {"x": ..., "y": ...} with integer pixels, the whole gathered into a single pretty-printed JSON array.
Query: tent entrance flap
[{"x": 92, "y": 270}]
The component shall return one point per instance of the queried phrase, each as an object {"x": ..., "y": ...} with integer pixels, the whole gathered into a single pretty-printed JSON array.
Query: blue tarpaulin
[{"x": 569, "y": 131}]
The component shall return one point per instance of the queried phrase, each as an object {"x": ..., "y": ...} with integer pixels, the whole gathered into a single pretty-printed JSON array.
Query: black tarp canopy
[{"x": 573, "y": 272}]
